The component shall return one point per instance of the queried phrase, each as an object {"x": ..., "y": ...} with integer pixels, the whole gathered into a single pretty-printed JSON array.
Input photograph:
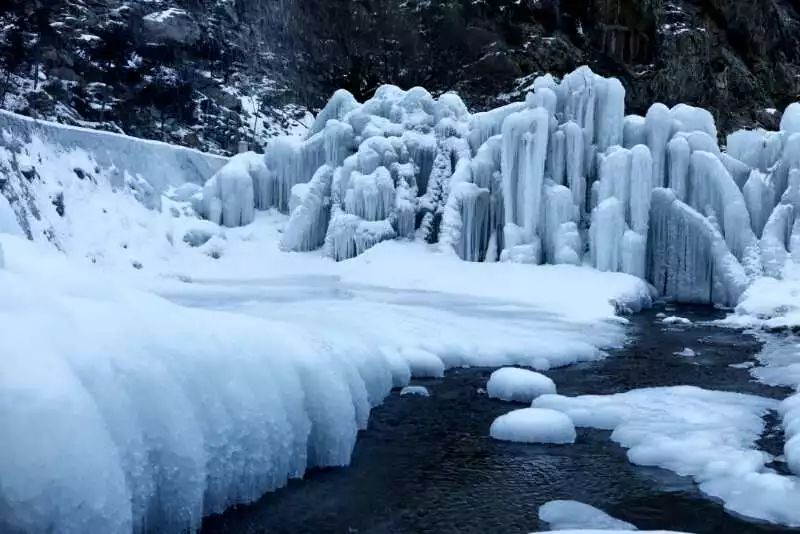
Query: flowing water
[{"x": 428, "y": 464}]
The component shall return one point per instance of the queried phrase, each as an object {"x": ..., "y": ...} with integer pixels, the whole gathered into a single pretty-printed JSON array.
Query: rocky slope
[{"x": 214, "y": 73}]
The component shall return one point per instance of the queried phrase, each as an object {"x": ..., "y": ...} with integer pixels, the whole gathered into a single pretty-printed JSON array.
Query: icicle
[
  {"x": 486, "y": 124},
  {"x": 792, "y": 193},
  {"x": 557, "y": 158},
  {"x": 422, "y": 150},
  {"x": 228, "y": 197},
  {"x": 758, "y": 199},
  {"x": 775, "y": 239},
  {"x": 687, "y": 258},
  {"x": 678, "y": 156},
  {"x": 574, "y": 150},
  {"x": 747, "y": 146},
  {"x": 338, "y": 142},
  {"x": 578, "y": 88},
  {"x": 712, "y": 188},
  {"x": 641, "y": 187},
  {"x": 615, "y": 180},
  {"x": 605, "y": 234},
  {"x": 308, "y": 222},
  {"x": 658, "y": 123},
  {"x": 634, "y": 131},
  {"x": 559, "y": 209},
  {"x": 405, "y": 201},
  {"x": 371, "y": 196},
  {"x": 524, "y": 151},
  {"x": 634, "y": 253},
  {"x": 609, "y": 114},
  {"x": 465, "y": 223},
  {"x": 700, "y": 141}
]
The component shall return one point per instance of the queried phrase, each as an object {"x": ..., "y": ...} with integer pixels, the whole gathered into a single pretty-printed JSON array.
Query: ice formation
[
  {"x": 518, "y": 385},
  {"x": 534, "y": 425},
  {"x": 562, "y": 177},
  {"x": 566, "y": 515},
  {"x": 708, "y": 435}
]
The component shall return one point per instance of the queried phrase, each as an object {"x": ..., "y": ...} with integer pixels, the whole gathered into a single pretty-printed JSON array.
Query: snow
[
  {"x": 518, "y": 385},
  {"x": 423, "y": 363},
  {"x": 674, "y": 319},
  {"x": 607, "y": 531},
  {"x": 566, "y": 515},
  {"x": 191, "y": 365},
  {"x": 533, "y": 425},
  {"x": 708, "y": 435},
  {"x": 148, "y": 304},
  {"x": 419, "y": 391}
]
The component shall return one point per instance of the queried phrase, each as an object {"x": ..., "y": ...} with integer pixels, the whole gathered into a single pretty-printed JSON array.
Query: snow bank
[
  {"x": 708, "y": 435},
  {"x": 790, "y": 414},
  {"x": 518, "y": 385},
  {"x": 566, "y": 515},
  {"x": 136, "y": 412},
  {"x": 533, "y": 425},
  {"x": 160, "y": 164},
  {"x": 769, "y": 303}
]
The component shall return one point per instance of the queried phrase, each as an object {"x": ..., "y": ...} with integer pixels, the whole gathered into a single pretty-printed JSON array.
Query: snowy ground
[{"x": 185, "y": 383}]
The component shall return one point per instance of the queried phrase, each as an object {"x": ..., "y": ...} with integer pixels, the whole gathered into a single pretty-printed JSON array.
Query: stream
[{"x": 428, "y": 464}]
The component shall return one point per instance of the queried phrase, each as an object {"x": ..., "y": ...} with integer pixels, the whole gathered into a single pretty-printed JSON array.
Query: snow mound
[
  {"x": 420, "y": 391},
  {"x": 790, "y": 412},
  {"x": 674, "y": 319},
  {"x": 518, "y": 385},
  {"x": 566, "y": 515},
  {"x": 423, "y": 364},
  {"x": 708, "y": 435},
  {"x": 534, "y": 425}
]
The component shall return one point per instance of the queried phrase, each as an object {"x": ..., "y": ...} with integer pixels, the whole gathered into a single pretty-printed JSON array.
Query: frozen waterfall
[{"x": 561, "y": 177}]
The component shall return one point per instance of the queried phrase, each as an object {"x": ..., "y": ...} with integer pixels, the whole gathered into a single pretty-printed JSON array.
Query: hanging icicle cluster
[{"x": 563, "y": 177}]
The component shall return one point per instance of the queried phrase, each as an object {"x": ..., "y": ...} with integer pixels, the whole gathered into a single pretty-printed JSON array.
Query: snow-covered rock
[
  {"x": 419, "y": 391},
  {"x": 534, "y": 425},
  {"x": 674, "y": 319},
  {"x": 518, "y": 385}
]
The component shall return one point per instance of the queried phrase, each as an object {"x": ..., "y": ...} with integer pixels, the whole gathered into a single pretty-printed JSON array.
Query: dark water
[{"x": 428, "y": 465}]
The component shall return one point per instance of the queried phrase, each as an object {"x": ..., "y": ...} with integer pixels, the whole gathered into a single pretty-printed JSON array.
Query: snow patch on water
[
  {"x": 566, "y": 515},
  {"x": 534, "y": 425},
  {"x": 708, "y": 435}
]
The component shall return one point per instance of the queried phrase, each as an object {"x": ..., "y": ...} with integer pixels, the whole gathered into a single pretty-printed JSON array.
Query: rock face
[
  {"x": 171, "y": 25},
  {"x": 214, "y": 73}
]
